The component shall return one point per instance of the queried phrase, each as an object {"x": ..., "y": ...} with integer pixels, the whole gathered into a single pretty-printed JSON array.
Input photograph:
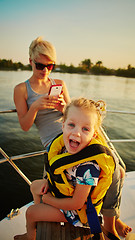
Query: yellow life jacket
[{"x": 57, "y": 162}]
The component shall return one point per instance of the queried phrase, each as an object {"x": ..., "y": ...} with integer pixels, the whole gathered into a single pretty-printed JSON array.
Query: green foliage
[
  {"x": 129, "y": 72},
  {"x": 99, "y": 63},
  {"x": 70, "y": 69},
  {"x": 86, "y": 67},
  {"x": 9, "y": 65},
  {"x": 97, "y": 70}
]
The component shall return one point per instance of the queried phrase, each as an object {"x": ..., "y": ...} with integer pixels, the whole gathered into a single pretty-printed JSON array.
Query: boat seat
[{"x": 56, "y": 231}]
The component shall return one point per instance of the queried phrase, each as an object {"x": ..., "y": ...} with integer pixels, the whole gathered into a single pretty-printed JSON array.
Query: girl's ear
[
  {"x": 30, "y": 61},
  {"x": 63, "y": 124}
]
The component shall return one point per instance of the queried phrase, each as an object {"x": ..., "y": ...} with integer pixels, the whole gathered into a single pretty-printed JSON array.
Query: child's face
[{"x": 78, "y": 129}]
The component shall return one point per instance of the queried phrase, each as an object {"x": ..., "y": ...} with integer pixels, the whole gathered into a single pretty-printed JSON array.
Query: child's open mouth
[{"x": 74, "y": 143}]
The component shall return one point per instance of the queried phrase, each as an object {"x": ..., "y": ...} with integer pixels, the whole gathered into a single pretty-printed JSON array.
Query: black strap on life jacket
[
  {"x": 89, "y": 151},
  {"x": 54, "y": 178}
]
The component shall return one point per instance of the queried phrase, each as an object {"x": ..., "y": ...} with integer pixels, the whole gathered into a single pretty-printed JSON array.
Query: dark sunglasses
[{"x": 40, "y": 66}]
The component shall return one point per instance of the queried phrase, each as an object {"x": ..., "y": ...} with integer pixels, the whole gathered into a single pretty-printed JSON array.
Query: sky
[{"x": 99, "y": 30}]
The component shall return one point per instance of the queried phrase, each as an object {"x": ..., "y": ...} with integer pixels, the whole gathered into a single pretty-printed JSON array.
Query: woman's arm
[
  {"x": 26, "y": 117},
  {"x": 75, "y": 202}
]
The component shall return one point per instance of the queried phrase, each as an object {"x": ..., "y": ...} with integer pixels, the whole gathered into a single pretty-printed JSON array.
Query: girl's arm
[{"x": 75, "y": 202}]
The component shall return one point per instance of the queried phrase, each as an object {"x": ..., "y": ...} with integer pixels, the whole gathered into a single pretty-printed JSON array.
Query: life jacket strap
[
  {"x": 92, "y": 217},
  {"x": 94, "y": 221}
]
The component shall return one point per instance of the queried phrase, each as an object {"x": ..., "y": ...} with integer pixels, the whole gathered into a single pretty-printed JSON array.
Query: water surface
[{"x": 118, "y": 93}]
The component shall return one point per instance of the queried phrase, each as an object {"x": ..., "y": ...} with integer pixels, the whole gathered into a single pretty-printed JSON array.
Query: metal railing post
[{"x": 14, "y": 166}]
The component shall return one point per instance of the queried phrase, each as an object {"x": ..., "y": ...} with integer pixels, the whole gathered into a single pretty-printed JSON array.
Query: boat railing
[
  {"x": 38, "y": 153},
  {"x": 8, "y": 111},
  {"x": 108, "y": 110},
  {"x": 11, "y": 159}
]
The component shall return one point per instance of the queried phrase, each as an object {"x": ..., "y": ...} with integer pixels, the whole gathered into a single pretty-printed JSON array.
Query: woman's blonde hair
[
  {"x": 98, "y": 107},
  {"x": 40, "y": 46}
]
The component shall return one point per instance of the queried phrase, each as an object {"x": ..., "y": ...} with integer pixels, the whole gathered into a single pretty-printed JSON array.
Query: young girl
[{"x": 79, "y": 165}]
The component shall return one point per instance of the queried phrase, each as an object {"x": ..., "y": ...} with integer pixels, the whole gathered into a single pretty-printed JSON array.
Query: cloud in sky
[{"x": 96, "y": 29}]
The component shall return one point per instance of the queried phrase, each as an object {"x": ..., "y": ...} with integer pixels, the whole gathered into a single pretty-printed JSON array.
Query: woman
[{"x": 31, "y": 98}]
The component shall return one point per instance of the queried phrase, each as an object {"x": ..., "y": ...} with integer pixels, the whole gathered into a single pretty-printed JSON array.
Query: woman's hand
[
  {"x": 49, "y": 102},
  {"x": 61, "y": 103},
  {"x": 43, "y": 103}
]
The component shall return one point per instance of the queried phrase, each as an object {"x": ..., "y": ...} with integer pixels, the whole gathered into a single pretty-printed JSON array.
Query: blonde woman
[{"x": 31, "y": 98}]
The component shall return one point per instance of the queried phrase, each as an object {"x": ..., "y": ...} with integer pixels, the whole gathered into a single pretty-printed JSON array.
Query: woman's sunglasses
[{"x": 40, "y": 66}]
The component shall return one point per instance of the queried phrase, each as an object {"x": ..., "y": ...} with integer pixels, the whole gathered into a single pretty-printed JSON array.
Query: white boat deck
[
  {"x": 9, "y": 228},
  {"x": 128, "y": 201}
]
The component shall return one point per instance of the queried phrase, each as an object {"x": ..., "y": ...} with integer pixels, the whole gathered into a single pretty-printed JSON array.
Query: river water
[{"x": 119, "y": 94}]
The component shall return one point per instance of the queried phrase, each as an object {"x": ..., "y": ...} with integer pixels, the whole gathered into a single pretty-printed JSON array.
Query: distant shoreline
[
  {"x": 85, "y": 67},
  {"x": 125, "y": 74}
]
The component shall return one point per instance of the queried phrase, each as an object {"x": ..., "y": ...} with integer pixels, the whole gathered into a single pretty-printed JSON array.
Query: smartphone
[{"x": 55, "y": 90}]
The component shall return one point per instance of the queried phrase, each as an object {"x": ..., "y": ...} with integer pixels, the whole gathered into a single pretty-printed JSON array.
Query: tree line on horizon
[{"x": 84, "y": 67}]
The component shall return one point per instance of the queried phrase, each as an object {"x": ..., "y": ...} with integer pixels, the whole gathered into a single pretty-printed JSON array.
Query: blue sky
[{"x": 79, "y": 29}]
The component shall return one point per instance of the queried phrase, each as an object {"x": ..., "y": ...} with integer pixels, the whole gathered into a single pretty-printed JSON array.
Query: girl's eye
[
  {"x": 71, "y": 124},
  {"x": 85, "y": 129}
]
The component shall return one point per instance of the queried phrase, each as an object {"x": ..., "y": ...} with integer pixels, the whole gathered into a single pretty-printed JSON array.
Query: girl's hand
[
  {"x": 44, "y": 187},
  {"x": 47, "y": 197}
]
